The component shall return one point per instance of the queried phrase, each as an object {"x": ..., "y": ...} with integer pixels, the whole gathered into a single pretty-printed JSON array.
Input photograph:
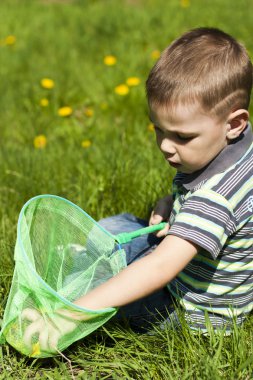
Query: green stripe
[
  {"x": 214, "y": 289},
  {"x": 214, "y": 197},
  {"x": 242, "y": 243},
  {"x": 242, "y": 192},
  {"x": 202, "y": 223},
  {"x": 224, "y": 265},
  {"x": 226, "y": 311}
]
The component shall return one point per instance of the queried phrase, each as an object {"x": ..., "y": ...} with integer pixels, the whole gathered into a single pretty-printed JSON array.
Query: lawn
[{"x": 74, "y": 122}]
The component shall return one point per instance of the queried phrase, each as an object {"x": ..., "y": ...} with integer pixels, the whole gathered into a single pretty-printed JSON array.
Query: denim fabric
[{"x": 155, "y": 307}]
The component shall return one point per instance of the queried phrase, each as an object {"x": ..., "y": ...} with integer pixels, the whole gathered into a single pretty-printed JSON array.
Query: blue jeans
[{"x": 157, "y": 307}]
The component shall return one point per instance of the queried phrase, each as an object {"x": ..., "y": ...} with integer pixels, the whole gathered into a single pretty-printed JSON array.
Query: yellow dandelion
[
  {"x": 110, "y": 60},
  {"x": 65, "y": 111},
  {"x": 104, "y": 106},
  {"x": 86, "y": 143},
  {"x": 122, "y": 89},
  {"x": 44, "y": 102},
  {"x": 151, "y": 127},
  {"x": 133, "y": 81},
  {"x": 47, "y": 83},
  {"x": 184, "y": 3},
  {"x": 40, "y": 142},
  {"x": 89, "y": 112},
  {"x": 35, "y": 349},
  {"x": 10, "y": 40},
  {"x": 155, "y": 54}
]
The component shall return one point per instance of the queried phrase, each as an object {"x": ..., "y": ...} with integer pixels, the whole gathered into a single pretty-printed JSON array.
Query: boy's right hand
[
  {"x": 161, "y": 213},
  {"x": 49, "y": 330}
]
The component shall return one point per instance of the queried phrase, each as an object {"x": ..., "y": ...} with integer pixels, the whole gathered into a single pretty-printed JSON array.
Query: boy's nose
[{"x": 167, "y": 146}]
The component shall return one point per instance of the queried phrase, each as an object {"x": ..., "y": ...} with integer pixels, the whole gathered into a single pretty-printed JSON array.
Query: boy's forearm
[{"x": 143, "y": 276}]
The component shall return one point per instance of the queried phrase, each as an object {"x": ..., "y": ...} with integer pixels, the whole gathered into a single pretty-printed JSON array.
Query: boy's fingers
[
  {"x": 164, "y": 231},
  {"x": 70, "y": 327},
  {"x": 34, "y": 328},
  {"x": 67, "y": 314},
  {"x": 43, "y": 339},
  {"x": 53, "y": 339},
  {"x": 155, "y": 218},
  {"x": 30, "y": 314}
]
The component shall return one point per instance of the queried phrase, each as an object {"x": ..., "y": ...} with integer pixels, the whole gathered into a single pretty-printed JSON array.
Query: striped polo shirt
[{"x": 213, "y": 208}]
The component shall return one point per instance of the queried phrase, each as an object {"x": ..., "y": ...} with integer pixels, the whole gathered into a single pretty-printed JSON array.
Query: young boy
[{"x": 198, "y": 94}]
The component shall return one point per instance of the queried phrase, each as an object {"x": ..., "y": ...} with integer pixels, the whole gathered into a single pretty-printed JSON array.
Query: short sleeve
[{"x": 206, "y": 218}]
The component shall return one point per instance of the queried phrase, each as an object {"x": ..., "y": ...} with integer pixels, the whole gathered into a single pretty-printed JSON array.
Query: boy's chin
[{"x": 185, "y": 171}]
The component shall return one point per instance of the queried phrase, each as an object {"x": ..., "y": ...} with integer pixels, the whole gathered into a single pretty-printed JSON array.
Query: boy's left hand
[{"x": 161, "y": 213}]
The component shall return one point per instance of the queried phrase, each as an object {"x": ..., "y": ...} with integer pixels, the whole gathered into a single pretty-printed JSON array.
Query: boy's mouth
[{"x": 173, "y": 164}]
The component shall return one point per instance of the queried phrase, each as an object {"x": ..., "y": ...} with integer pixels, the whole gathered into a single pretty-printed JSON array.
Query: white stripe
[
  {"x": 211, "y": 211},
  {"x": 197, "y": 237},
  {"x": 241, "y": 172}
]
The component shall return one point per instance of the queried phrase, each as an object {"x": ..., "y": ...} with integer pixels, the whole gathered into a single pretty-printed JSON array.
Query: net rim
[{"x": 27, "y": 261}]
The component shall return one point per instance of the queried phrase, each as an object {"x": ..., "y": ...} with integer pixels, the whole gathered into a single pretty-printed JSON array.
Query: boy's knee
[{"x": 117, "y": 223}]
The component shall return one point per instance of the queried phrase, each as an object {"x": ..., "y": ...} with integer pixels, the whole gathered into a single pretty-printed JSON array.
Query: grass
[{"x": 120, "y": 171}]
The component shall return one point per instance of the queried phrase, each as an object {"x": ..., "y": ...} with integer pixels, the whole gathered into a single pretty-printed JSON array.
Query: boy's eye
[
  {"x": 177, "y": 135},
  {"x": 184, "y": 138}
]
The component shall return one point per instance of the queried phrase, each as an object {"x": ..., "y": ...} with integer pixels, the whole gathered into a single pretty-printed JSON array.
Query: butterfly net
[{"x": 61, "y": 253}]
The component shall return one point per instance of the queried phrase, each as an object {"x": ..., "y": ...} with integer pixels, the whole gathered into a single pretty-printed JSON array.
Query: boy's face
[{"x": 188, "y": 138}]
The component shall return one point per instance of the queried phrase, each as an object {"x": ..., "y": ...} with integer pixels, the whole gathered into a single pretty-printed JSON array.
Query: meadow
[{"x": 74, "y": 122}]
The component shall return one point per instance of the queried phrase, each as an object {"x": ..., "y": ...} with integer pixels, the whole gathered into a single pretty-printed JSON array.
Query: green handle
[{"x": 126, "y": 237}]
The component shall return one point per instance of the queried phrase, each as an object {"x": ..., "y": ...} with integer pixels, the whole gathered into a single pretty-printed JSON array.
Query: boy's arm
[
  {"x": 136, "y": 281},
  {"x": 143, "y": 277}
]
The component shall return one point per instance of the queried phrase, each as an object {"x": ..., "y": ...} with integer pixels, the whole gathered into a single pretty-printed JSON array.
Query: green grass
[{"x": 121, "y": 171}]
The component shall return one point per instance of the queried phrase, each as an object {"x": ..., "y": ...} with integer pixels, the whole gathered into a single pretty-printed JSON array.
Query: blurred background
[{"x": 74, "y": 119}]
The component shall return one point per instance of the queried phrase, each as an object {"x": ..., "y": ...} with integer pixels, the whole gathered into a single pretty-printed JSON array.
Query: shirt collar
[{"x": 226, "y": 158}]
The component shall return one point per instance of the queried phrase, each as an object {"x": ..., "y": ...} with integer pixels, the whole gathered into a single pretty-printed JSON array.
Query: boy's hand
[
  {"x": 161, "y": 213},
  {"x": 49, "y": 329}
]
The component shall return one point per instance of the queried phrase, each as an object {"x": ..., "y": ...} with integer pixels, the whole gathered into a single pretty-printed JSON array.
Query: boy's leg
[
  {"x": 138, "y": 247},
  {"x": 157, "y": 306}
]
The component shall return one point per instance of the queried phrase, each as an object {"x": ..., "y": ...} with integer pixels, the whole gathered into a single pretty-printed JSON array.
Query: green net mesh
[{"x": 61, "y": 254}]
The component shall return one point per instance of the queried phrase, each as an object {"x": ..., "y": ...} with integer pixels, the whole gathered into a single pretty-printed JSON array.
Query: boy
[{"x": 198, "y": 93}]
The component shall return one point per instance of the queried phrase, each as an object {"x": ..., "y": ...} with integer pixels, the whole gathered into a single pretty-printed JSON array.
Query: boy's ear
[{"x": 237, "y": 122}]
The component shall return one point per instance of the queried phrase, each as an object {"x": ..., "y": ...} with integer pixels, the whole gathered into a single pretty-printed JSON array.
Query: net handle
[{"x": 126, "y": 237}]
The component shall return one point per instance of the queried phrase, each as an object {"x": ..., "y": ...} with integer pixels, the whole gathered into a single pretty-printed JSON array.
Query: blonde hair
[{"x": 204, "y": 65}]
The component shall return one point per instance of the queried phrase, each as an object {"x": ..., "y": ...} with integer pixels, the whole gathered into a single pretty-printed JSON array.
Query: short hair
[{"x": 204, "y": 65}]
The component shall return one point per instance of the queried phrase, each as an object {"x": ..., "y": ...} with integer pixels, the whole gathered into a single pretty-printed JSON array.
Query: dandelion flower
[
  {"x": 151, "y": 127},
  {"x": 110, "y": 60},
  {"x": 10, "y": 40},
  {"x": 133, "y": 81},
  {"x": 89, "y": 112},
  {"x": 44, "y": 102},
  {"x": 47, "y": 83},
  {"x": 122, "y": 89},
  {"x": 40, "y": 142},
  {"x": 65, "y": 111},
  {"x": 35, "y": 349},
  {"x": 155, "y": 54},
  {"x": 86, "y": 143},
  {"x": 184, "y": 3}
]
